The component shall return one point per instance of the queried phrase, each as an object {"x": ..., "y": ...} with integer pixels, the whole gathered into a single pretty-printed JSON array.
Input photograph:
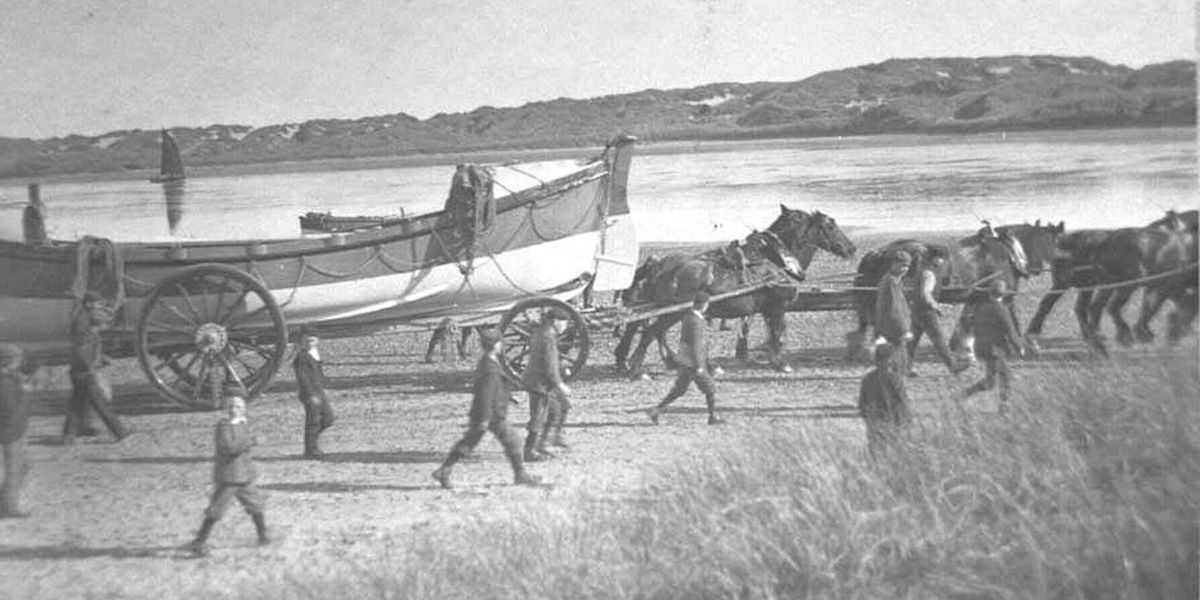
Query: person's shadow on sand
[{"x": 72, "y": 552}]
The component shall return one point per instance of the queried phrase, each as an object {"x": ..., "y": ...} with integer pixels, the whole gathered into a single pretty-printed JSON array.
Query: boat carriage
[{"x": 198, "y": 314}]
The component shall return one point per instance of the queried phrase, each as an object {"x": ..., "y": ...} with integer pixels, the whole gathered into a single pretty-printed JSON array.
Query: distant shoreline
[{"x": 449, "y": 159}]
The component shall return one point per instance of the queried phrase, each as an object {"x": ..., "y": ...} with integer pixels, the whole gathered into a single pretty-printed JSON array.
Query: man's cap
[
  {"x": 997, "y": 287},
  {"x": 901, "y": 256},
  {"x": 10, "y": 352},
  {"x": 883, "y": 352},
  {"x": 233, "y": 388},
  {"x": 307, "y": 331},
  {"x": 700, "y": 298},
  {"x": 489, "y": 336}
]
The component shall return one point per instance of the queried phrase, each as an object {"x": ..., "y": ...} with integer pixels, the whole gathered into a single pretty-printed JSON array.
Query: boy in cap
[
  {"x": 893, "y": 320},
  {"x": 693, "y": 362},
  {"x": 233, "y": 472},
  {"x": 90, "y": 387},
  {"x": 883, "y": 400},
  {"x": 310, "y": 384},
  {"x": 489, "y": 412},
  {"x": 995, "y": 338},
  {"x": 925, "y": 311},
  {"x": 14, "y": 421},
  {"x": 548, "y": 394}
]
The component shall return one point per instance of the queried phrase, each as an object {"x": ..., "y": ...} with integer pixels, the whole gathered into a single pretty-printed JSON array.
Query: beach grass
[{"x": 1088, "y": 487}]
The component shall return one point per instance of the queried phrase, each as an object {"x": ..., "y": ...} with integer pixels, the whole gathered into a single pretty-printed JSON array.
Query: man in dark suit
[
  {"x": 14, "y": 421},
  {"x": 310, "y": 383},
  {"x": 233, "y": 472},
  {"x": 893, "y": 319},
  {"x": 883, "y": 400},
  {"x": 995, "y": 338},
  {"x": 693, "y": 362},
  {"x": 489, "y": 412},
  {"x": 548, "y": 394},
  {"x": 90, "y": 387}
]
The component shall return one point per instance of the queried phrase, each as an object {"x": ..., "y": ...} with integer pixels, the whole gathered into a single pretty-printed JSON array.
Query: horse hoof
[
  {"x": 1125, "y": 339},
  {"x": 641, "y": 377},
  {"x": 718, "y": 371}
]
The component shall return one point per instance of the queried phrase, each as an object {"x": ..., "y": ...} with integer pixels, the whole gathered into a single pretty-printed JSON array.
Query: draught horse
[
  {"x": 1108, "y": 265},
  {"x": 775, "y": 258},
  {"x": 1011, "y": 253}
]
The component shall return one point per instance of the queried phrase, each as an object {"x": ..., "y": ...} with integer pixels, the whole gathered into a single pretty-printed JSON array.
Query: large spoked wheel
[
  {"x": 207, "y": 326},
  {"x": 518, "y": 323}
]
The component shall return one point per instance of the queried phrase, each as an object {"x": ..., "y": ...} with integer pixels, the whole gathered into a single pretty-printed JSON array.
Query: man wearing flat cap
[
  {"x": 233, "y": 472},
  {"x": 893, "y": 319},
  {"x": 489, "y": 412},
  {"x": 548, "y": 394},
  {"x": 14, "y": 421}
]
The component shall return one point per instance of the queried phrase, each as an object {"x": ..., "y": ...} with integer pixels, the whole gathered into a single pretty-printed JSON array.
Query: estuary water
[{"x": 711, "y": 191}]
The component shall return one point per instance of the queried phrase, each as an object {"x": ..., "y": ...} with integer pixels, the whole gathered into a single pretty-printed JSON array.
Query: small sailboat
[{"x": 171, "y": 165}]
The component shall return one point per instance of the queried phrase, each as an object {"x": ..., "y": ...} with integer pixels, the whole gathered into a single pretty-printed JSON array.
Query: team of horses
[{"x": 1105, "y": 266}]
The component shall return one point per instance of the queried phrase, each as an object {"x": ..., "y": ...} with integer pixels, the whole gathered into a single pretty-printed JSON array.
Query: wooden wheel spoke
[
  {"x": 169, "y": 327},
  {"x": 265, "y": 353},
  {"x": 221, "y": 318},
  {"x": 187, "y": 300}
]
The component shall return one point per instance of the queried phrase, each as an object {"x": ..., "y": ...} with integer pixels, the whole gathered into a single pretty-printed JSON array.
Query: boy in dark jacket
[
  {"x": 882, "y": 399},
  {"x": 548, "y": 394},
  {"x": 693, "y": 363},
  {"x": 310, "y": 384},
  {"x": 233, "y": 472},
  {"x": 489, "y": 412},
  {"x": 995, "y": 338}
]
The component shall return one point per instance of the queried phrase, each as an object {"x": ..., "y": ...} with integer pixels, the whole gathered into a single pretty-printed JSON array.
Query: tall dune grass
[{"x": 1088, "y": 488}]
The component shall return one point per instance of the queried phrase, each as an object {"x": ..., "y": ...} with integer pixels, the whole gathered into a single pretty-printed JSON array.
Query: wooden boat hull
[{"x": 541, "y": 240}]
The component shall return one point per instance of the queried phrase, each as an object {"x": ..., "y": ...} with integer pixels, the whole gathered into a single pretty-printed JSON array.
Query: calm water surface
[{"x": 1103, "y": 178}]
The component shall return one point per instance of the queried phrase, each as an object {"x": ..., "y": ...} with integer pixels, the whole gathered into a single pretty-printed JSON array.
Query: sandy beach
[{"x": 109, "y": 520}]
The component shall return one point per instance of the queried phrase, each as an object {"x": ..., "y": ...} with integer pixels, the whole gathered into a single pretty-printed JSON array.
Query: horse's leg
[
  {"x": 1183, "y": 316},
  {"x": 462, "y": 342},
  {"x": 1152, "y": 300},
  {"x": 1083, "y": 301},
  {"x": 742, "y": 351},
  {"x": 622, "y": 350},
  {"x": 1116, "y": 306},
  {"x": 651, "y": 332},
  {"x": 776, "y": 320},
  {"x": 435, "y": 340}
]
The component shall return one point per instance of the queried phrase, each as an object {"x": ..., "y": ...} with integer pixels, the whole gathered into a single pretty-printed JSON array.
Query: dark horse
[
  {"x": 776, "y": 257},
  {"x": 1010, "y": 252},
  {"x": 1109, "y": 265}
]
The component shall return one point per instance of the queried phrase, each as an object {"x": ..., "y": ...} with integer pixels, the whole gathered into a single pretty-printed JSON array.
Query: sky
[{"x": 94, "y": 66}]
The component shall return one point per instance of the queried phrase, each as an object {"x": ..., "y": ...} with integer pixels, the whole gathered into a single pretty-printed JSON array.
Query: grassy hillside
[{"x": 900, "y": 95}]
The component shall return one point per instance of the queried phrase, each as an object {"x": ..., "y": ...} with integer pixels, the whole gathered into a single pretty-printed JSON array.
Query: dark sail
[{"x": 171, "y": 168}]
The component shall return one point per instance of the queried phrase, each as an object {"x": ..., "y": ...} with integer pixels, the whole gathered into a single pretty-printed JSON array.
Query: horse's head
[
  {"x": 1178, "y": 221},
  {"x": 1040, "y": 243},
  {"x": 768, "y": 245},
  {"x": 798, "y": 229}
]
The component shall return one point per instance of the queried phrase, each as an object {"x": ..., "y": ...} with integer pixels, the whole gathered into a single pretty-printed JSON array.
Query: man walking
[
  {"x": 883, "y": 401},
  {"x": 489, "y": 412},
  {"x": 693, "y": 362},
  {"x": 90, "y": 387},
  {"x": 310, "y": 383},
  {"x": 14, "y": 421},
  {"x": 893, "y": 320},
  {"x": 233, "y": 472},
  {"x": 995, "y": 338},
  {"x": 548, "y": 394},
  {"x": 925, "y": 312}
]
